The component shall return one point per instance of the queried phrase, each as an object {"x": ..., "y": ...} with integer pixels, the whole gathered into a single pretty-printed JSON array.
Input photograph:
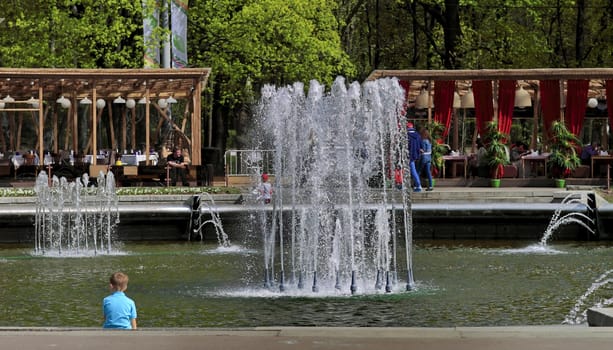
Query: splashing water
[
  {"x": 558, "y": 219},
  {"x": 206, "y": 205},
  {"x": 578, "y": 314},
  {"x": 332, "y": 154},
  {"x": 73, "y": 219}
]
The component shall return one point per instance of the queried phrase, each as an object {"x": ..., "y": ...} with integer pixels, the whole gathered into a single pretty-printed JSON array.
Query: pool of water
[{"x": 183, "y": 284}]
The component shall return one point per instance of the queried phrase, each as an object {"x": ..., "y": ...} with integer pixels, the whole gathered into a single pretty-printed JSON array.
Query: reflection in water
[{"x": 458, "y": 283}]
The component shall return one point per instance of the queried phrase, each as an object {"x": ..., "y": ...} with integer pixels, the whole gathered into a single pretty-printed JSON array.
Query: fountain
[
  {"x": 582, "y": 219},
  {"x": 73, "y": 219},
  {"x": 204, "y": 204},
  {"x": 332, "y": 218},
  {"x": 578, "y": 314}
]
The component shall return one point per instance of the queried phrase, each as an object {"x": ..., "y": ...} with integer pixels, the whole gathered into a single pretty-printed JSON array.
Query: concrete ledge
[{"x": 600, "y": 317}]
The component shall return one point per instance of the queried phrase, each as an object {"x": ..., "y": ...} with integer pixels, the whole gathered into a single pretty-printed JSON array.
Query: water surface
[{"x": 183, "y": 284}]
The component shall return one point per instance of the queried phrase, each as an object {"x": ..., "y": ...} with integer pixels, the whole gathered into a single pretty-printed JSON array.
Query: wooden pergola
[
  {"x": 528, "y": 79},
  {"x": 36, "y": 91}
]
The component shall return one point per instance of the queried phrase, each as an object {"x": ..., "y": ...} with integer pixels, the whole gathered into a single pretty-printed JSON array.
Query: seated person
[
  {"x": 587, "y": 152},
  {"x": 478, "y": 162},
  {"x": 518, "y": 150},
  {"x": 178, "y": 167}
]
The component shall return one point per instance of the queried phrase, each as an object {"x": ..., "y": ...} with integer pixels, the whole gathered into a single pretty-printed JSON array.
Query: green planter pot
[
  {"x": 560, "y": 183},
  {"x": 495, "y": 183}
]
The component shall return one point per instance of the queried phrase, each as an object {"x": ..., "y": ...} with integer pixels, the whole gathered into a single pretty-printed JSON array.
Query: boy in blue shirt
[{"x": 119, "y": 310}]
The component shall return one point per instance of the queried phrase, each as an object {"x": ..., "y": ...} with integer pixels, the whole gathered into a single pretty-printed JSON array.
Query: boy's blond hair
[{"x": 119, "y": 281}]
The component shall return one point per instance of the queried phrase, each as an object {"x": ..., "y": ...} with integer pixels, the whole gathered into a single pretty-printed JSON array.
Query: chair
[{"x": 5, "y": 167}]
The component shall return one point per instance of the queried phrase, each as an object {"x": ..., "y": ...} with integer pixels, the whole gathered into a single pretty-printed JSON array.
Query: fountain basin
[
  {"x": 600, "y": 317},
  {"x": 473, "y": 220}
]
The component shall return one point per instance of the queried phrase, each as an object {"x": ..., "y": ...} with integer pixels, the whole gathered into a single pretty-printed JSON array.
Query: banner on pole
[
  {"x": 151, "y": 20},
  {"x": 178, "y": 22}
]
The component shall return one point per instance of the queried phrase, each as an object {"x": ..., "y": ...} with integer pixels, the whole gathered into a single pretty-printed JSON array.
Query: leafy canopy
[{"x": 266, "y": 41}]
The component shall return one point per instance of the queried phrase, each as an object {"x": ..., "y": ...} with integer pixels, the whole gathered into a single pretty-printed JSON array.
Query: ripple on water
[
  {"x": 231, "y": 249},
  {"x": 531, "y": 249}
]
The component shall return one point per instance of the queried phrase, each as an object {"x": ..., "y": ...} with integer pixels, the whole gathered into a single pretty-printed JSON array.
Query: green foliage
[
  {"x": 82, "y": 34},
  {"x": 266, "y": 41},
  {"x": 495, "y": 150},
  {"x": 422, "y": 34},
  {"x": 563, "y": 156}
]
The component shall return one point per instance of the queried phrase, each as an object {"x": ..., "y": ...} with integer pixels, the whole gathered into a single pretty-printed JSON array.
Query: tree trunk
[{"x": 452, "y": 34}]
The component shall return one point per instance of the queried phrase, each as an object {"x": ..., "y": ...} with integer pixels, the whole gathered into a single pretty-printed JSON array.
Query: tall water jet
[
  {"x": 332, "y": 155},
  {"x": 74, "y": 219}
]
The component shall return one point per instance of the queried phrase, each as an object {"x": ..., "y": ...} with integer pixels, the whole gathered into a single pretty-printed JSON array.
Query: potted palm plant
[
  {"x": 563, "y": 157},
  {"x": 495, "y": 152}
]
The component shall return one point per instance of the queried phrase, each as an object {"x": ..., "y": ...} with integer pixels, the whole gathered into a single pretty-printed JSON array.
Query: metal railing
[{"x": 247, "y": 163}]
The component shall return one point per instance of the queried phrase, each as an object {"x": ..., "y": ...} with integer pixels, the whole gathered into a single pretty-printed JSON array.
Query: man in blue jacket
[{"x": 414, "y": 141}]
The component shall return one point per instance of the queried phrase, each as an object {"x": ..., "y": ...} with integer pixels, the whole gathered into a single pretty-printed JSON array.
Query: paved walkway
[{"x": 498, "y": 338}]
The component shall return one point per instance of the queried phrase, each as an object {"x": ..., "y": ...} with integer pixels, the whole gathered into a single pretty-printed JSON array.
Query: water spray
[
  {"x": 378, "y": 283},
  {"x": 388, "y": 282},
  {"x": 315, "y": 287}
]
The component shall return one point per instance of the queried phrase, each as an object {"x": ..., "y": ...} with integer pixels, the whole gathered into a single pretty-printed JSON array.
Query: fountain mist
[{"x": 332, "y": 155}]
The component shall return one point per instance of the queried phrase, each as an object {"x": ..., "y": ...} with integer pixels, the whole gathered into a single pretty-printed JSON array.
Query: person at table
[
  {"x": 178, "y": 167},
  {"x": 478, "y": 162},
  {"x": 587, "y": 152},
  {"x": 518, "y": 150}
]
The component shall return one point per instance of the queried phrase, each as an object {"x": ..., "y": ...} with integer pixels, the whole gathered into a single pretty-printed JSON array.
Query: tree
[
  {"x": 64, "y": 33},
  {"x": 263, "y": 42}
]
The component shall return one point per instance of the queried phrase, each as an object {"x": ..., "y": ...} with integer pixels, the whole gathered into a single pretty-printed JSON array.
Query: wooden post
[
  {"x": 147, "y": 115},
  {"x": 196, "y": 126},
  {"x": 562, "y": 100},
  {"x": 41, "y": 129},
  {"x": 19, "y": 126},
  {"x": 133, "y": 124},
  {"x": 12, "y": 131},
  {"x": 94, "y": 132},
  {"x": 495, "y": 96},
  {"x": 67, "y": 132},
  {"x": 2, "y": 139},
  {"x": 55, "y": 132},
  {"x": 124, "y": 130},
  {"x": 430, "y": 83},
  {"x": 456, "y": 136},
  {"x": 75, "y": 124},
  {"x": 111, "y": 127},
  {"x": 535, "y": 118}
]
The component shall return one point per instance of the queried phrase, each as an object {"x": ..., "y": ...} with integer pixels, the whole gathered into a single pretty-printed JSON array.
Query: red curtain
[
  {"x": 550, "y": 103},
  {"x": 576, "y": 104},
  {"x": 443, "y": 103},
  {"x": 506, "y": 103},
  {"x": 484, "y": 104},
  {"x": 609, "y": 88},
  {"x": 405, "y": 84}
]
